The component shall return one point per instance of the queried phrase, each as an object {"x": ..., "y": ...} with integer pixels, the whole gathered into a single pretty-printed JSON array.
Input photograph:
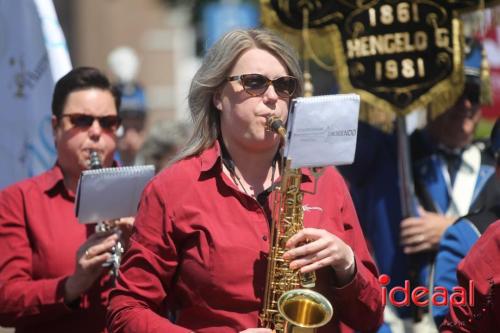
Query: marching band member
[
  {"x": 51, "y": 274},
  {"x": 449, "y": 170},
  {"x": 202, "y": 232}
]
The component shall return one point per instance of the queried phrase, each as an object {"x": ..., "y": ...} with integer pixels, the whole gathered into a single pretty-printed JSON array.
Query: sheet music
[
  {"x": 110, "y": 193},
  {"x": 322, "y": 130}
]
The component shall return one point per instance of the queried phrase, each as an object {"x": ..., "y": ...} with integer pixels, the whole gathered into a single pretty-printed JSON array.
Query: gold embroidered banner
[{"x": 398, "y": 55}]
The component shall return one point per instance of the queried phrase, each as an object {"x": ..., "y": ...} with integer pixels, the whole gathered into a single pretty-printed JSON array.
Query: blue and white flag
[{"x": 33, "y": 56}]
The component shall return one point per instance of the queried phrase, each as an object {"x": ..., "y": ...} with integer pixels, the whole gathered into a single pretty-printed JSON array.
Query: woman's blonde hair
[{"x": 213, "y": 73}]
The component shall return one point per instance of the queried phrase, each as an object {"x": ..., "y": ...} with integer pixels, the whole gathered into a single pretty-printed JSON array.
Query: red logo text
[{"x": 421, "y": 296}]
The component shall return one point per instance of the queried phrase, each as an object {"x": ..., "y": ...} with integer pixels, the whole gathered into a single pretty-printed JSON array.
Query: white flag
[{"x": 33, "y": 56}]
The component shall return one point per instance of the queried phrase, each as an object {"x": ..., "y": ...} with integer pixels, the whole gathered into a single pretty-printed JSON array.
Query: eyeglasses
[
  {"x": 257, "y": 84},
  {"x": 85, "y": 121}
]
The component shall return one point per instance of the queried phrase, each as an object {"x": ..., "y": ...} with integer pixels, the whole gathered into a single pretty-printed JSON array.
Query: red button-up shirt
[
  {"x": 200, "y": 248},
  {"x": 482, "y": 267},
  {"x": 39, "y": 238}
]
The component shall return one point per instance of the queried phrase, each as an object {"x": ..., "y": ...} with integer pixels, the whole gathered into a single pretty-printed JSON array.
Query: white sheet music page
[
  {"x": 322, "y": 130},
  {"x": 110, "y": 193}
]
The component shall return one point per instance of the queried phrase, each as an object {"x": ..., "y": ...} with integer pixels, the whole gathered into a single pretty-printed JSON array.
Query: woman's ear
[
  {"x": 217, "y": 100},
  {"x": 54, "y": 122}
]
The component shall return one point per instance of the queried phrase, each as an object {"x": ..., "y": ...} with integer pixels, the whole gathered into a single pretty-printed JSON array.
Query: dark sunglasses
[
  {"x": 85, "y": 121},
  {"x": 257, "y": 84}
]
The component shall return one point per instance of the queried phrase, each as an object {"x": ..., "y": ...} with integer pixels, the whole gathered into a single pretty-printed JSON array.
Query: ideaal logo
[{"x": 421, "y": 296}]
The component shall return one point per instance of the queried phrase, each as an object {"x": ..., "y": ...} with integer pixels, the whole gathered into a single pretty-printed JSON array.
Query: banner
[
  {"x": 33, "y": 55},
  {"x": 398, "y": 55}
]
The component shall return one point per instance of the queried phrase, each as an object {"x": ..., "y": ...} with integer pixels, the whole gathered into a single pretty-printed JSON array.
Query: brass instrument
[
  {"x": 118, "y": 249},
  {"x": 289, "y": 305}
]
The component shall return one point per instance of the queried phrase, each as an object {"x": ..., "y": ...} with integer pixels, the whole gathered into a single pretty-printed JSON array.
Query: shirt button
[{"x": 264, "y": 238}]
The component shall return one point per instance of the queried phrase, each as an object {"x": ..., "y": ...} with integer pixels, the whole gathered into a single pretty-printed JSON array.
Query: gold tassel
[
  {"x": 377, "y": 117},
  {"x": 486, "y": 97},
  {"x": 308, "y": 85}
]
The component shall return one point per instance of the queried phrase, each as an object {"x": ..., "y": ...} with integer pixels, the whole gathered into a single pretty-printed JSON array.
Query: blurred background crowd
[{"x": 150, "y": 49}]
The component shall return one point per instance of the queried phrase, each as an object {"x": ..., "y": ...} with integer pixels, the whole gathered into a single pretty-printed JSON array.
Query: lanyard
[{"x": 229, "y": 164}]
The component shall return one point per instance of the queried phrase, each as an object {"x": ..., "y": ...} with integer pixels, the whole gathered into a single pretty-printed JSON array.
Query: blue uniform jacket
[
  {"x": 460, "y": 237},
  {"x": 374, "y": 184}
]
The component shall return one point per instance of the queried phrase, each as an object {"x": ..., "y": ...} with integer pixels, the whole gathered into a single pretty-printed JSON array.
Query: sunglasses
[
  {"x": 257, "y": 84},
  {"x": 84, "y": 121}
]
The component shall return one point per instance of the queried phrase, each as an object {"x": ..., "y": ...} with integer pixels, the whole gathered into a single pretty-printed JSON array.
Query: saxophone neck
[{"x": 275, "y": 124}]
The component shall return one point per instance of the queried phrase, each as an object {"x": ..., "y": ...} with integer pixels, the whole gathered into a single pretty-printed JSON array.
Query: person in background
[
  {"x": 124, "y": 63},
  {"x": 52, "y": 277},
  {"x": 202, "y": 234},
  {"x": 461, "y": 236},
  {"x": 132, "y": 133},
  {"x": 481, "y": 267},
  {"x": 164, "y": 141},
  {"x": 449, "y": 169}
]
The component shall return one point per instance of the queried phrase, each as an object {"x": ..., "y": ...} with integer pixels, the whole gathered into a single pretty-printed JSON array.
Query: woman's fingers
[
  {"x": 306, "y": 249},
  {"x": 304, "y": 235},
  {"x": 102, "y": 247},
  {"x": 323, "y": 249},
  {"x": 310, "y": 261}
]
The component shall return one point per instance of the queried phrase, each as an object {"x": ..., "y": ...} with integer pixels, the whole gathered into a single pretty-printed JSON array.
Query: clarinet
[{"x": 118, "y": 249}]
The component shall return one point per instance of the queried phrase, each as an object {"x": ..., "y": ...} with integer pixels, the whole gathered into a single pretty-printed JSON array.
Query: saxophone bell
[{"x": 304, "y": 310}]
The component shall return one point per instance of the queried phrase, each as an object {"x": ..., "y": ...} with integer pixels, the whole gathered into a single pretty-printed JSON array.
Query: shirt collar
[
  {"x": 55, "y": 178},
  {"x": 54, "y": 181},
  {"x": 210, "y": 157}
]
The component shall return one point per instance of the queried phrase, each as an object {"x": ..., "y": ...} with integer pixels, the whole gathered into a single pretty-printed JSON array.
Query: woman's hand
[
  {"x": 90, "y": 258},
  {"x": 311, "y": 249},
  {"x": 125, "y": 224}
]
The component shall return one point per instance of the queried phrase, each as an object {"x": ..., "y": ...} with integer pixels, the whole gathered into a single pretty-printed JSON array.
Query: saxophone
[
  {"x": 290, "y": 306},
  {"x": 118, "y": 249}
]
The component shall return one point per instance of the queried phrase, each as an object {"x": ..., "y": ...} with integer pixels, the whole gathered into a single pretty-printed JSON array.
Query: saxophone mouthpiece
[
  {"x": 95, "y": 160},
  {"x": 275, "y": 124}
]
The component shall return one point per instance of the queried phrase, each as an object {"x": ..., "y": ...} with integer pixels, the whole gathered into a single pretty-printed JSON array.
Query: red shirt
[
  {"x": 482, "y": 266},
  {"x": 40, "y": 236},
  {"x": 200, "y": 248}
]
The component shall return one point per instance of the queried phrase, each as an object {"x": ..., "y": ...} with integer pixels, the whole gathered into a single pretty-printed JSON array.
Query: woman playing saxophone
[{"x": 201, "y": 239}]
